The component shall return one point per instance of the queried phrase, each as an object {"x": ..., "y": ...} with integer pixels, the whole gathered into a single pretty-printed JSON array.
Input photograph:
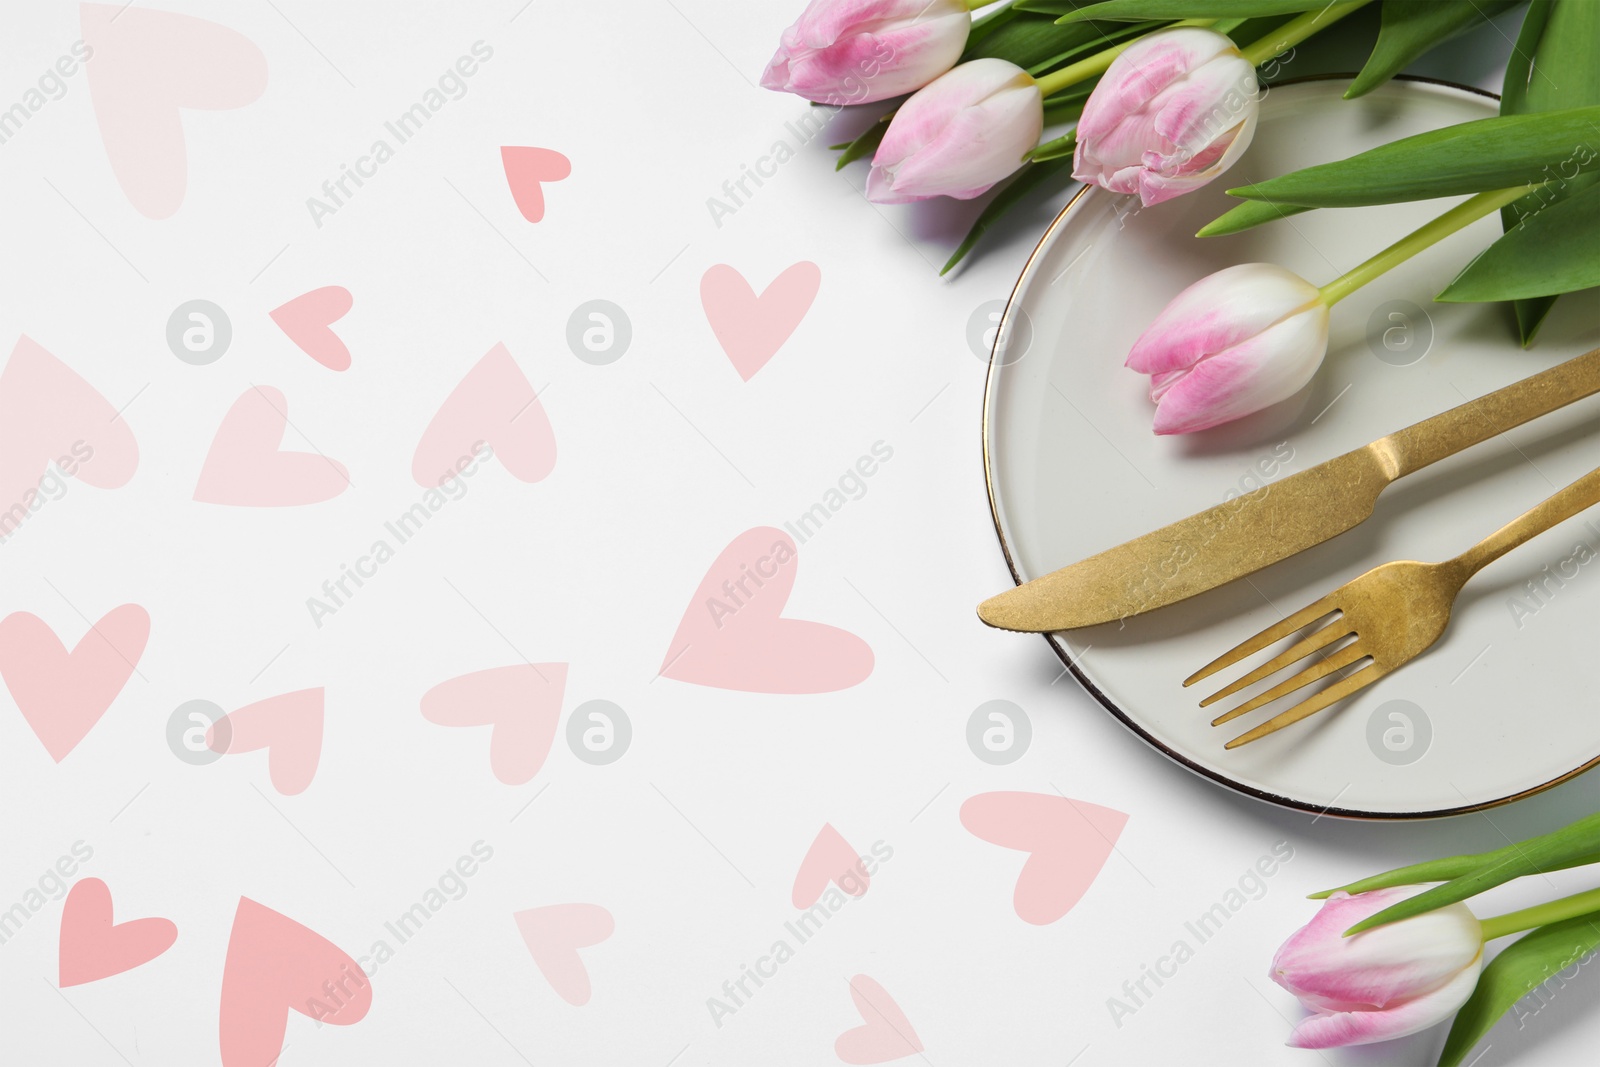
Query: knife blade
[{"x": 1260, "y": 528}]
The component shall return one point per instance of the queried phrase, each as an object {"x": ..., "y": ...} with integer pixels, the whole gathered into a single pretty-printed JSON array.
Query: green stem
[
  {"x": 1296, "y": 30},
  {"x": 1542, "y": 914},
  {"x": 1084, "y": 69},
  {"x": 973, "y": 5},
  {"x": 1458, "y": 217}
]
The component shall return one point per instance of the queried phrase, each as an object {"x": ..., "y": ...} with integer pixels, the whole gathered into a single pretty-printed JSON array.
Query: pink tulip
[
  {"x": 958, "y": 135},
  {"x": 1382, "y": 983},
  {"x": 856, "y": 51},
  {"x": 1232, "y": 343},
  {"x": 1171, "y": 113}
]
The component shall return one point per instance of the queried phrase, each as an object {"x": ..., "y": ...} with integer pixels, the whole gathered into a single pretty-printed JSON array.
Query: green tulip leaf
[
  {"x": 1553, "y": 251},
  {"x": 1411, "y": 27},
  {"x": 1031, "y": 177},
  {"x": 1442, "y": 870},
  {"x": 1248, "y": 214},
  {"x": 1545, "y": 853},
  {"x": 1529, "y": 962},
  {"x": 1123, "y": 10},
  {"x": 864, "y": 145},
  {"x": 1470, "y": 157},
  {"x": 1552, "y": 66},
  {"x": 1036, "y": 43}
]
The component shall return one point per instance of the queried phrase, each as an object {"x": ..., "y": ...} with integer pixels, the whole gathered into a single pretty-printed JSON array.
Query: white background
[{"x": 693, "y": 838}]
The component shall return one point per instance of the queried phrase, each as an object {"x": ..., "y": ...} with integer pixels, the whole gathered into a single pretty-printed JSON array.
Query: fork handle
[
  {"x": 1573, "y": 500},
  {"x": 1478, "y": 420}
]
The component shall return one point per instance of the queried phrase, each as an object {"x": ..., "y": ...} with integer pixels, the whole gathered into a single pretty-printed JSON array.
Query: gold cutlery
[
  {"x": 1392, "y": 613},
  {"x": 1272, "y": 523}
]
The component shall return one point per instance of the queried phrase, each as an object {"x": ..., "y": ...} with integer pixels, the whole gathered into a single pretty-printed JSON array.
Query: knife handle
[{"x": 1447, "y": 433}]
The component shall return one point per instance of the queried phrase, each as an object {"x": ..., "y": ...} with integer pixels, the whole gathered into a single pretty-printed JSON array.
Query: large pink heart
[
  {"x": 92, "y": 947},
  {"x": 1068, "y": 841},
  {"x": 494, "y": 404},
  {"x": 288, "y": 726},
  {"x": 829, "y": 859},
  {"x": 308, "y": 320},
  {"x": 48, "y": 414},
  {"x": 63, "y": 694},
  {"x": 245, "y": 469},
  {"x": 554, "y": 934},
  {"x": 733, "y": 635},
  {"x": 145, "y": 66},
  {"x": 752, "y": 328},
  {"x": 527, "y": 169},
  {"x": 275, "y": 965},
  {"x": 521, "y": 702},
  {"x": 885, "y": 1034}
]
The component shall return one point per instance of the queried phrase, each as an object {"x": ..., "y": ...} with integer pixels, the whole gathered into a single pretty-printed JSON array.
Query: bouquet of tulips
[
  {"x": 1388, "y": 956},
  {"x": 1162, "y": 98}
]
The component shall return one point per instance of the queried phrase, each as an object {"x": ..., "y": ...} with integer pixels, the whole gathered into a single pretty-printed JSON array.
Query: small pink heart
[
  {"x": 521, "y": 702},
  {"x": 829, "y": 859},
  {"x": 275, "y": 965},
  {"x": 886, "y": 1034},
  {"x": 143, "y": 66},
  {"x": 733, "y": 635},
  {"x": 63, "y": 694},
  {"x": 752, "y": 328},
  {"x": 48, "y": 414},
  {"x": 1069, "y": 842},
  {"x": 554, "y": 934},
  {"x": 494, "y": 404},
  {"x": 245, "y": 469},
  {"x": 526, "y": 171},
  {"x": 93, "y": 948},
  {"x": 288, "y": 726},
  {"x": 308, "y": 320}
]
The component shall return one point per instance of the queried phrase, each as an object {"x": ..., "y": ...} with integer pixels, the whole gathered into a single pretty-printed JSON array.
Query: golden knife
[{"x": 1247, "y": 533}]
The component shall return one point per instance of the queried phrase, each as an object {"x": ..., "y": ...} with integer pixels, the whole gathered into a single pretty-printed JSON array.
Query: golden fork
[{"x": 1394, "y": 613}]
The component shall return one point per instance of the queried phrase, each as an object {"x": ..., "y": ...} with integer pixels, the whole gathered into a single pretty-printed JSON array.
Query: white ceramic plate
[{"x": 1506, "y": 704}]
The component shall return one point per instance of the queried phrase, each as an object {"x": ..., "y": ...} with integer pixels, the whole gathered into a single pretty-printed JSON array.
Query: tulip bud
[
  {"x": 857, "y": 51},
  {"x": 1232, "y": 343},
  {"x": 1172, "y": 112},
  {"x": 1383, "y": 983},
  {"x": 958, "y": 135}
]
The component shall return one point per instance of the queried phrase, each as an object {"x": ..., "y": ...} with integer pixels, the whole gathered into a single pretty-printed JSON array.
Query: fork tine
[
  {"x": 1310, "y": 706},
  {"x": 1278, "y": 632},
  {"x": 1316, "y": 641},
  {"x": 1338, "y": 661}
]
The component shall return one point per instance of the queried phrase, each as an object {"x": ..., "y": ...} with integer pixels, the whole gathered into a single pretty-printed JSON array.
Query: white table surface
[{"x": 692, "y": 840}]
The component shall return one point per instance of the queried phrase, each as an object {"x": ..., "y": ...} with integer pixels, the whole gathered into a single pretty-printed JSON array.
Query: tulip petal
[
  {"x": 1254, "y": 374},
  {"x": 1334, "y": 1029},
  {"x": 1217, "y": 312},
  {"x": 1381, "y": 966},
  {"x": 857, "y": 51},
  {"x": 1142, "y": 71}
]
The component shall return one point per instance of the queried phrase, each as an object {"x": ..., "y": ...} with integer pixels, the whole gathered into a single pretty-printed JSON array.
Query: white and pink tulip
[
  {"x": 857, "y": 51},
  {"x": 1383, "y": 983},
  {"x": 1172, "y": 112},
  {"x": 1232, "y": 343},
  {"x": 958, "y": 135}
]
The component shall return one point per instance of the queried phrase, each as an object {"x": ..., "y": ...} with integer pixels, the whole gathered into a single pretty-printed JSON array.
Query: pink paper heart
[
  {"x": 1069, "y": 842},
  {"x": 733, "y": 635},
  {"x": 275, "y": 965},
  {"x": 521, "y": 702},
  {"x": 752, "y": 328},
  {"x": 527, "y": 169},
  {"x": 494, "y": 404},
  {"x": 145, "y": 66},
  {"x": 48, "y": 414},
  {"x": 288, "y": 726},
  {"x": 308, "y": 320},
  {"x": 245, "y": 469},
  {"x": 829, "y": 859},
  {"x": 554, "y": 934},
  {"x": 63, "y": 694},
  {"x": 93, "y": 948},
  {"x": 886, "y": 1033}
]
